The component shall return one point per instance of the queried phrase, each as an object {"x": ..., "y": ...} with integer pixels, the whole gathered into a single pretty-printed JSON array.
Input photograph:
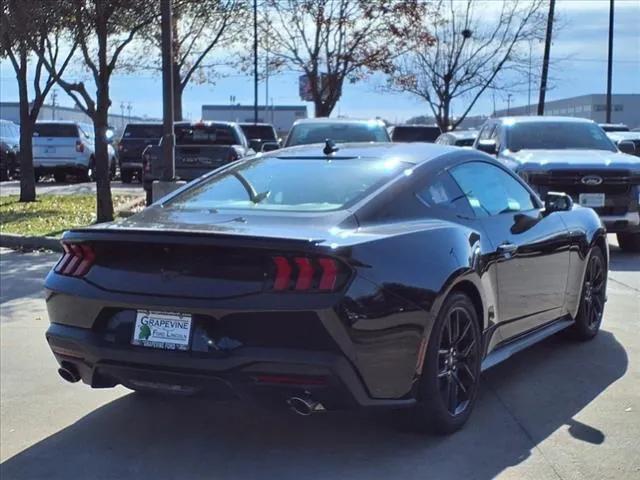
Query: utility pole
[
  {"x": 255, "y": 61},
  {"x": 610, "y": 62},
  {"x": 54, "y": 97},
  {"x": 545, "y": 61},
  {"x": 122, "y": 114},
  {"x": 509, "y": 103},
  {"x": 529, "y": 95},
  {"x": 129, "y": 107},
  {"x": 168, "y": 140}
]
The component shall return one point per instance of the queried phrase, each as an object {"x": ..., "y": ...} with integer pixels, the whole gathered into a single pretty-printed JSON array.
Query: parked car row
[{"x": 9, "y": 149}]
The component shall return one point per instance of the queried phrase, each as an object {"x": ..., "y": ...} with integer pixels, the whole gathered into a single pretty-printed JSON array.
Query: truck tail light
[
  {"x": 77, "y": 260},
  {"x": 307, "y": 274},
  {"x": 79, "y": 146}
]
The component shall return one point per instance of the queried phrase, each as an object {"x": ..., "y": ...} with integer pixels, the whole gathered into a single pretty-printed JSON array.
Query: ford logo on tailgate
[{"x": 591, "y": 180}]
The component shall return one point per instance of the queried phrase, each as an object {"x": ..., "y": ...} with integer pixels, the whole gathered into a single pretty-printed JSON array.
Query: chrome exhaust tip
[
  {"x": 69, "y": 373},
  {"x": 304, "y": 406}
]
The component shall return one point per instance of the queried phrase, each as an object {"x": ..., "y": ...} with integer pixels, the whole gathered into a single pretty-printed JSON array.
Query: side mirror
[
  {"x": 255, "y": 144},
  {"x": 488, "y": 146},
  {"x": 557, "y": 202},
  {"x": 627, "y": 146},
  {"x": 270, "y": 146}
]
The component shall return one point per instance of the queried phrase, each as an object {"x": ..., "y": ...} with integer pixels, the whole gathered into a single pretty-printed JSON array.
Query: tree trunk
[
  {"x": 27, "y": 177},
  {"x": 322, "y": 109},
  {"x": 104, "y": 202}
]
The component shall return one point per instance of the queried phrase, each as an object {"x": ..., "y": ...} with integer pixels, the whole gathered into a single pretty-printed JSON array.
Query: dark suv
[
  {"x": 574, "y": 156},
  {"x": 9, "y": 148},
  {"x": 135, "y": 138},
  {"x": 415, "y": 133},
  {"x": 261, "y": 136}
]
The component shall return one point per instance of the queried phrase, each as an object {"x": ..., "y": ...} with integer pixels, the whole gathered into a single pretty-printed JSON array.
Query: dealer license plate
[
  {"x": 592, "y": 200},
  {"x": 167, "y": 330}
]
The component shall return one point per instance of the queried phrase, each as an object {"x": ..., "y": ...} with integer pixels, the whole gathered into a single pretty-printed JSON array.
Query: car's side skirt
[{"x": 506, "y": 350}]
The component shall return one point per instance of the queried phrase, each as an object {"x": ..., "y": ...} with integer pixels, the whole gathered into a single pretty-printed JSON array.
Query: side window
[
  {"x": 490, "y": 190},
  {"x": 442, "y": 193},
  {"x": 487, "y": 131}
]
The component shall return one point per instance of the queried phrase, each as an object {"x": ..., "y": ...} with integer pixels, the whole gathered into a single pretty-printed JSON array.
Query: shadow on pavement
[
  {"x": 522, "y": 402},
  {"x": 20, "y": 281}
]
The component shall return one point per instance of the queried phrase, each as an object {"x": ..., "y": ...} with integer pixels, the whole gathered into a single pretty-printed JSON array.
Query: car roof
[
  {"x": 617, "y": 136},
  {"x": 206, "y": 123},
  {"x": 153, "y": 124},
  {"x": 415, "y": 153},
  {"x": 63, "y": 122},
  {"x": 339, "y": 121},
  {"x": 461, "y": 134},
  {"x": 417, "y": 125},
  {"x": 537, "y": 119},
  {"x": 251, "y": 124},
  {"x": 613, "y": 125}
]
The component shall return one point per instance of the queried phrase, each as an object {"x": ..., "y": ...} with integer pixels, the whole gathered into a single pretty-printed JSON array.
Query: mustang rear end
[{"x": 232, "y": 317}]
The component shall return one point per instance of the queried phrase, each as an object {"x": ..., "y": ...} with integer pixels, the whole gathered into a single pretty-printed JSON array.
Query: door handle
[{"x": 507, "y": 249}]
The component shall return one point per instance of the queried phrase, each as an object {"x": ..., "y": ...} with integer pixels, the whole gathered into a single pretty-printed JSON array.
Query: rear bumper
[
  {"x": 241, "y": 373},
  {"x": 629, "y": 222},
  {"x": 130, "y": 165}
]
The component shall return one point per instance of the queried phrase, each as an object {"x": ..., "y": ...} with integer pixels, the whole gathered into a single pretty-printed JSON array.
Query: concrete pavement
[{"x": 560, "y": 410}]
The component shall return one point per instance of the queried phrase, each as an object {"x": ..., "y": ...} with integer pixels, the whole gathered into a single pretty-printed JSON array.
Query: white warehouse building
[{"x": 625, "y": 108}]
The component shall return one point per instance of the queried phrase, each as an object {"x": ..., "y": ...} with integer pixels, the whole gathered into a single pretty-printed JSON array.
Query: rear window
[
  {"x": 317, "y": 132},
  {"x": 465, "y": 142},
  {"x": 263, "y": 132},
  {"x": 153, "y": 132},
  {"x": 415, "y": 134},
  {"x": 290, "y": 184},
  {"x": 55, "y": 130},
  {"x": 206, "y": 135}
]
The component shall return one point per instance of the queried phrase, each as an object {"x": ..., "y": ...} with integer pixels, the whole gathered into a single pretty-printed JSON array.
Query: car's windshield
[
  {"x": 263, "y": 132},
  {"x": 415, "y": 134},
  {"x": 205, "y": 135},
  {"x": 557, "y": 136},
  {"x": 153, "y": 132},
  {"x": 290, "y": 184},
  {"x": 318, "y": 132}
]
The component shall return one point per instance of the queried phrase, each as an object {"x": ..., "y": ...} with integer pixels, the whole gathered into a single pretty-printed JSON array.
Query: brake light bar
[
  {"x": 305, "y": 274},
  {"x": 77, "y": 260}
]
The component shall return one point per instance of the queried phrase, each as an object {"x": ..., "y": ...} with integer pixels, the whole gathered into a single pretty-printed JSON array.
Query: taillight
[
  {"x": 77, "y": 260},
  {"x": 306, "y": 274},
  {"x": 79, "y": 146},
  {"x": 146, "y": 163}
]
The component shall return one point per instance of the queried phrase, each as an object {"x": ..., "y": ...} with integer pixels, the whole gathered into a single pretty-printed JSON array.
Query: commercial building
[
  {"x": 625, "y": 108},
  {"x": 11, "y": 111},
  {"x": 280, "y": 116}
]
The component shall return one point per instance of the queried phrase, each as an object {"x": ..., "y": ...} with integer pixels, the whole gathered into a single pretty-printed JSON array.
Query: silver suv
[{"x": 66, "y": 148}]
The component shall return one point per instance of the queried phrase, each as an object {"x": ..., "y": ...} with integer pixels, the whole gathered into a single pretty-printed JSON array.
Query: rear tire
[
  {"x": 112, "y": 169},
  {"x": 589, "y": 316},
  {"x": 148, "y": 197},
  {"x": 451, "y": 371},
  {"x": 629, "y": 242},
  {"x": 126, "y": 176},
  {"x": 89, "y": 174}
]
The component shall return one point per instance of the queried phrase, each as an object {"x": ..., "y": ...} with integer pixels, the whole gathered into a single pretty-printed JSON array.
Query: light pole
[
  {"x": 529, "y": 95},
  {"x": 509, "y": 103},
  {"x": 610, "y": 61},
  {"x": 168, "y": 140},
  {"x": 545, "y": 60},
  {"x": 255, "y": 61}
]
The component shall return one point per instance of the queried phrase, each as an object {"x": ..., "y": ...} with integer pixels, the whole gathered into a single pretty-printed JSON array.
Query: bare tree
[
  {"x": 471, "y": 54},
  {"x": 103, "y": 29},
  {"x": 202, "y": 31},
  {"x": 331, "y": 41},
  {"x": 32, "y": 27}
]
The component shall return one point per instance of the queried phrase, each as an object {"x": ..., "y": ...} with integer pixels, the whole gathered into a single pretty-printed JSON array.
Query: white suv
[{"x": 66, "y": 148}]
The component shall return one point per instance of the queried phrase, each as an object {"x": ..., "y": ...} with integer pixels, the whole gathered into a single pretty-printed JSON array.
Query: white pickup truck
[{"x": 66, "y": 148}]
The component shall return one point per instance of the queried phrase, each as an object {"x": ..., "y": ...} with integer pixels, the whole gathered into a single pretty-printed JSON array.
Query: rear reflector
[
  {"x": 77, "y": 260},
  {"x": 303, "y": 274}
]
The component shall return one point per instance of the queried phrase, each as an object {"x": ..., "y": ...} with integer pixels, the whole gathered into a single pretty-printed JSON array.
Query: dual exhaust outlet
[{"x": 305, "y": 406}]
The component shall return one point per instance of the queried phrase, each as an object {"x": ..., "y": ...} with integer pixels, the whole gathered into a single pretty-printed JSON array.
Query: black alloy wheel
[
  {"x": 591, "y": 310},
  {"x": 457, "y": 361},
  {"x": 451, "y": 371}
]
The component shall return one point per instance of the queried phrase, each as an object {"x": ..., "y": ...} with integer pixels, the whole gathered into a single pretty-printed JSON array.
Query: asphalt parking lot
[{"x": 560, "y": 410}]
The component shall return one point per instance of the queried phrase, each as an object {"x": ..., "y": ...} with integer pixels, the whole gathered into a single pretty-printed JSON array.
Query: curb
[{"x": 23, "y": 242}]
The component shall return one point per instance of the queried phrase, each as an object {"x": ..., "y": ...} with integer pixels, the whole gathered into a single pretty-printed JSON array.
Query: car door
[{"x": 531, "y": 249}]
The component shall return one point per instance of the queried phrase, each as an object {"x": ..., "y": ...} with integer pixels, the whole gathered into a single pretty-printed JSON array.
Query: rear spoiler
[{"x": 193, "y": 237}]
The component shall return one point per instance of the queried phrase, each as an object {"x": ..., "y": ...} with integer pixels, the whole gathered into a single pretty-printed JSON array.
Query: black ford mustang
[{"x": 371, "y": 275}]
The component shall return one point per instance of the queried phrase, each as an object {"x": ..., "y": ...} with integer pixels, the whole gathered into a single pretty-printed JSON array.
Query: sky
[{"x": 581, "y": 44}]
